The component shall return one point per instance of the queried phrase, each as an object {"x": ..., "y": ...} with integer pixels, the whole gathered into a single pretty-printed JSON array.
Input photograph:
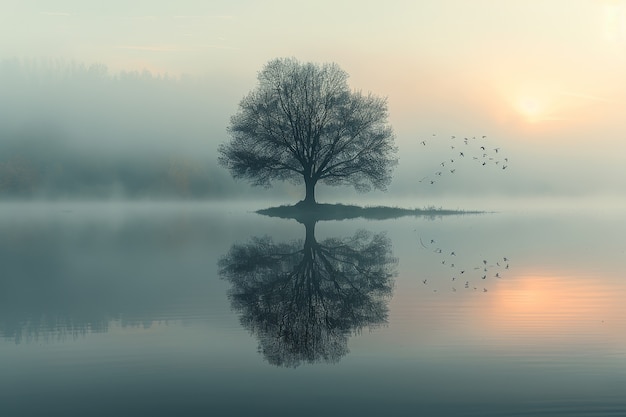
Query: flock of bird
[
  {"x": 463, "y": 275},
  {"x": 461, "y": 272},
  {"x": 475, "y": 149}
]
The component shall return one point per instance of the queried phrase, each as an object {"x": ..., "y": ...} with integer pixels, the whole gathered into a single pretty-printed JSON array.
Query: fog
[
  {"x": 73, "y": 130},
  {"x": 486, "y": 280}
]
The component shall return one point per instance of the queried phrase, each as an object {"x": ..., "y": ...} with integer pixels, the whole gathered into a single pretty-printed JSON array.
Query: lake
[{"x": 164, "y": 309}]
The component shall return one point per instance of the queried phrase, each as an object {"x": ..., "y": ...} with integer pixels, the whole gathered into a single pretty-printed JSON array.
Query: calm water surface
[{"x": 208, "y": 309}]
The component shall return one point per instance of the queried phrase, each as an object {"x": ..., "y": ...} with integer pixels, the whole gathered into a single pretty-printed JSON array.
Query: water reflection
[
  {"x": 304, "y": 299},
  {"x": 67, "y": 274},
  {"x": 462, "y": 267},
  {"x": 548, "y": 338}
]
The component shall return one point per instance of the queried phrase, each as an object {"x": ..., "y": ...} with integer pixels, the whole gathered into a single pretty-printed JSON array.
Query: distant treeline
[
  {"x": 31, "y": 167},
  {"x": 74, "y": 130}
]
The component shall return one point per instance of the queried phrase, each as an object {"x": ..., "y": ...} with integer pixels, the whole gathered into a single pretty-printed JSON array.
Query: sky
[{"x": 544, "y": 81}]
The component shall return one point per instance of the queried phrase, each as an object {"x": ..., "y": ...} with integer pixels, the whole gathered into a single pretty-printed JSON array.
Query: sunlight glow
[
  {"x": 547, "y": 305},
  {"x": 548, "y": 104},
  {"x": 530, "y": 108},
  {"x": 615, "y": 21}
]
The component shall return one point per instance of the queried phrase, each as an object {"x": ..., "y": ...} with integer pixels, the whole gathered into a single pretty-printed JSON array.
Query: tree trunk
[
  {"x": 309, "y": 226},
  {"x": 310, "y": 191}
]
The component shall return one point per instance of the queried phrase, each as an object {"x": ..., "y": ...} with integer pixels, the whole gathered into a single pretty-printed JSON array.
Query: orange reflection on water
[{"x": 541, "y": 308}]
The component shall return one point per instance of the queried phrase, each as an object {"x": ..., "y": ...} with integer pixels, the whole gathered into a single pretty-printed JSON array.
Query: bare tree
[{"x": 302, "y": 123}]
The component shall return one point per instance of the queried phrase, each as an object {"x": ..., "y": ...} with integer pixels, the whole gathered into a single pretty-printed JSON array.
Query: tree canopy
[{"x": 302, "y": 123}]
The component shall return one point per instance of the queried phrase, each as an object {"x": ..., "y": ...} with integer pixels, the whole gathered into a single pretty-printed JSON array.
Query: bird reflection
[
  {"x": 304, "y": 299},
  {"x": 486, "y": 268}
]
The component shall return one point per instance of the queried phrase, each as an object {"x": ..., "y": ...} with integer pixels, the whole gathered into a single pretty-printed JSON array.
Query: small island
[{"x": 303, "y": 211}]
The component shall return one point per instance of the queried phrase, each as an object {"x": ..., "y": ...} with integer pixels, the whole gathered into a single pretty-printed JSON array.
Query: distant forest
[{"x": 70, "y": 130}]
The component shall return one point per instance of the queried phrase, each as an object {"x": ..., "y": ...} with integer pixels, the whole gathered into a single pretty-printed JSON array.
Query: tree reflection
[{"x": 304, "y": 299}]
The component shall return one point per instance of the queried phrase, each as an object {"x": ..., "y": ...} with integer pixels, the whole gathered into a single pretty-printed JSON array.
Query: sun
[{"x": 530, "y": 108}]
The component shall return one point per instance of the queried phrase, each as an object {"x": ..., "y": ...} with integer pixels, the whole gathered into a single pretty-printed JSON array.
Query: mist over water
[
  {"x": 138, "y": 278},
  {"x": 75, "y": 131},
  {"x": 79, "y": 131}
]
